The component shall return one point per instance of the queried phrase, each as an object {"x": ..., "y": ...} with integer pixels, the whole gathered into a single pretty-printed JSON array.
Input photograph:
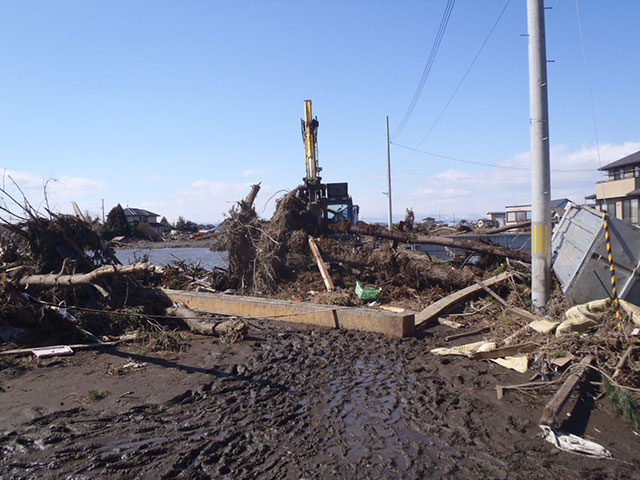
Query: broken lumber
[
  {"x": 80, "y": 346},
  {"x": 442, "y": 305},
  {"x": 362, "y": 228},
  {"x": 55, "y": 280},
  {"x": 204, "y": 326},
  {"x": 467, "y": 334},
  {"x": 332, "y": 316},
  {"x": 504, "y": 351},
  {"x": 328, "y": 283},
  {"x": 623, "y": 360},
  {"x": 520, "y": 312},
  {"x": 555, "y": 405}
]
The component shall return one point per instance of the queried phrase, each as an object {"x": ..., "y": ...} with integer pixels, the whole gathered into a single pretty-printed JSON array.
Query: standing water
[{"x": 163, "y": 256}]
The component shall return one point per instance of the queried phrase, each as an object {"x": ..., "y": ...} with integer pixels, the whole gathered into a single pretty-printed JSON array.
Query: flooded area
[{"x": 162, "y": 256}]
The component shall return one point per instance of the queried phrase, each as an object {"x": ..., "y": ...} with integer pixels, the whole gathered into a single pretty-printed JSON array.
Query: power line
[
  {"x": 427, "y": 68},
  {"x": 493, "y": 165},
  {"x": 464, "y": 77}
]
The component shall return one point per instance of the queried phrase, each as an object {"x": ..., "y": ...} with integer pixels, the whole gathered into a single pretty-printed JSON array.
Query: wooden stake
[{"x": 321, "y": 265}]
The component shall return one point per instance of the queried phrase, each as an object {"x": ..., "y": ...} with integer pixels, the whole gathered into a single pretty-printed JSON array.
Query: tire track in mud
[{"x": 304, "y": 404}]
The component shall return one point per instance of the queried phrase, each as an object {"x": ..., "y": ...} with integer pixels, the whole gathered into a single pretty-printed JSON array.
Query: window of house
[
  {"x": 630, "y": 210},
  {"x": 636, "y": 171},
  {"x": 610, "y": 208},
  {"x": 619, "y": 175},
  {"x": 511, "y": 217}
]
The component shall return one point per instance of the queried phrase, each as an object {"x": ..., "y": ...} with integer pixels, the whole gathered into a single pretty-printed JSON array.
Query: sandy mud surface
[{"x": 288, "y": 402}]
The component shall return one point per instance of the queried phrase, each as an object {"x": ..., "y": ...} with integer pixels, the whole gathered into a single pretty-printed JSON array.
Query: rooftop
[
  {"x": 623, "y": 162},
  {"x": 139, "y": 212}
]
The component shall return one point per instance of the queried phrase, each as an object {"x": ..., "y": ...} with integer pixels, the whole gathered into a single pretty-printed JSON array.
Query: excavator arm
[{"x": 310, "y": 137}]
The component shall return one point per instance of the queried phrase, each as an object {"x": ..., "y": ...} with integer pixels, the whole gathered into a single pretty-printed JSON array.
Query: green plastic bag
[{"x": 366, "y": 293}]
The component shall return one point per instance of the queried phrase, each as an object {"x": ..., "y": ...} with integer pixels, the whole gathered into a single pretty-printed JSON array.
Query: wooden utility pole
[
  {"x": 540, "y": 170},
  {"x": 389, "y": 174}
]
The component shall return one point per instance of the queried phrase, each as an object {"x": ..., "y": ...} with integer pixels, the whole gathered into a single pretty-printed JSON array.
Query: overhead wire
[
  {"x": 464, "y": 77},
  {"x": 589, "y": 88},
  {"x": 493, "y": 165},
  {"x": 427, "y": 68}
]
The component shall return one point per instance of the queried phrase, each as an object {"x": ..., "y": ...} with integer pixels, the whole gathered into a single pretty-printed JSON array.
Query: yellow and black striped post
[{"x": 612, "y": 268}]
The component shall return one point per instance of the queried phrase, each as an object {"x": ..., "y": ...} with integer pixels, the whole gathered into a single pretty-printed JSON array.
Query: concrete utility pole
[
  {"x": 540, "y": 170},
  {"x": 389, "y": 174}
]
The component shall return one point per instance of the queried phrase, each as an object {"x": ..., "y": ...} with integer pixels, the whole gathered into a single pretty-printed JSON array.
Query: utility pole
[
  {"x": 389, "y": 174},
  {"x": 103, "y": 210},
  {"x": 540, "y": 170}
]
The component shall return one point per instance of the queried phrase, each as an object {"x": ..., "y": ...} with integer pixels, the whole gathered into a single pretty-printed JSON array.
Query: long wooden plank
[
  {"x": 333, "y": 316},
  {"x": 321, "y": 265},
  {"x": 444, "y": 304},
  {"x": 555, "y": 405}
]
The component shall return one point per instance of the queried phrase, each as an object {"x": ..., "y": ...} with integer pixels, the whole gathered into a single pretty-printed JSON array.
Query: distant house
[
  {"x": 522, "y": 213},
  {"x": 137, "y": 215},
  {"x": 517, "y": 214},
  {"x": 497, "y": 217},
  {"x": 620, "y": 193}
]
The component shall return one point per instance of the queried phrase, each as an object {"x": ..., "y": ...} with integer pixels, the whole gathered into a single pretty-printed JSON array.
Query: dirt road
[{"x": 286, "y": 403}]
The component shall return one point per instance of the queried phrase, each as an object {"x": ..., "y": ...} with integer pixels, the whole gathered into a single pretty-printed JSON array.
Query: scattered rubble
[{"x": 61, "y": 286}]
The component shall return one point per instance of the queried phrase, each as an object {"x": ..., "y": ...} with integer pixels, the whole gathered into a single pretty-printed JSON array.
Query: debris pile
[{"x": 60, "y": 283}]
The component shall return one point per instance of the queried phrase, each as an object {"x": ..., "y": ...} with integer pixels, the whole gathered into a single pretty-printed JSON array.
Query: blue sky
[{"x": 178, "y": 107}]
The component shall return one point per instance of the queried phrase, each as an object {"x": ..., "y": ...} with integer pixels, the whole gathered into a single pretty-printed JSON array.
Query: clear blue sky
[{"x": 178, "y": 106}]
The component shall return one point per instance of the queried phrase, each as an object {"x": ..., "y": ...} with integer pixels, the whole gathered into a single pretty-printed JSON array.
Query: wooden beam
[
  {"x": 555, "y": 405},
  {"x": 438, "y": 308},
  {"x": 321, "y": 265},
  {"x": 505, "y": 351},
  {"x": 332, "y": 316}
]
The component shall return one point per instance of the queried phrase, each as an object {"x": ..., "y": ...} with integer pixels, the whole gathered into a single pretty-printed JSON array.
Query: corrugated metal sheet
[{"x": 580, "y": 259}]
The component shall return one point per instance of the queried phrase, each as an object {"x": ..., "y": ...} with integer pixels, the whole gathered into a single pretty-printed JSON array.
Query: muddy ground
[{"x": 289, "y": 402}]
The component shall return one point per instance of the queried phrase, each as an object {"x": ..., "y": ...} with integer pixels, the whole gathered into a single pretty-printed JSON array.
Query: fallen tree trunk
[
  {"x": 404, "y": 237},
  {"x": 513, "y": 226},
  {"x": 55, "y": 280},
  {"x": 202, "y": 326}
]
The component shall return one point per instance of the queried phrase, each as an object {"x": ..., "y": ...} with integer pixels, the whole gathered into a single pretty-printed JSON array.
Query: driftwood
[
  {"x": 203, "y": 326},
  {"x": 554, "y": 407},
  {"x": 56, "y": 280},
  {"x": 405, "y": 237}
]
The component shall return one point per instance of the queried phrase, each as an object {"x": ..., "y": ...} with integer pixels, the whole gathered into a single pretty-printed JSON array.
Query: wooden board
[{"x": 438, "y": 308}]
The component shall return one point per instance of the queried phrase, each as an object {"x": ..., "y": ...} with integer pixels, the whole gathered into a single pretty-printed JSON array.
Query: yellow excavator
[{"x": 328, "y": 202}]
